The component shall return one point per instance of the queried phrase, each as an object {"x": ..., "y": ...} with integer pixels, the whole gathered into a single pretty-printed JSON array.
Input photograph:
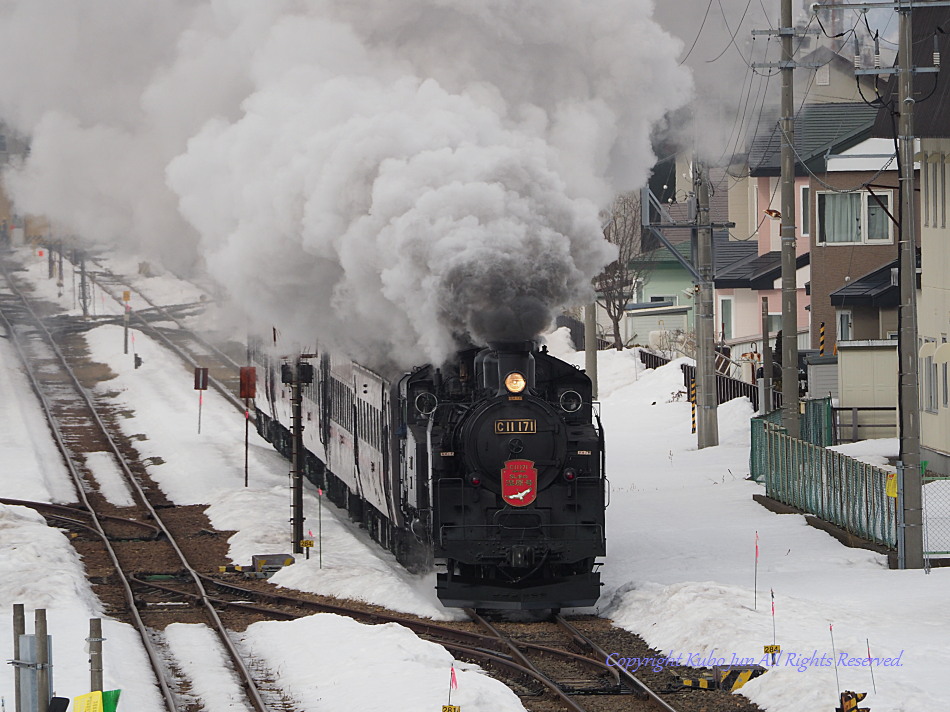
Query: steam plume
[{"x": 384, "y": 177}]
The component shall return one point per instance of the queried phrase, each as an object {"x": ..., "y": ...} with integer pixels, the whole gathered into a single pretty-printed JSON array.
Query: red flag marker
[{"x": 455, "y": 682}]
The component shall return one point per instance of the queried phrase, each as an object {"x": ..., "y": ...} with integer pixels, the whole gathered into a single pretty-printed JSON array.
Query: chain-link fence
[
  {"x": 936, "y": 498},
  {"x": 816, "y": 427},
  {"x": 758, "y": 450},
  {"x": 817, "y": 422},
  {"x": 832, "y": 486}
]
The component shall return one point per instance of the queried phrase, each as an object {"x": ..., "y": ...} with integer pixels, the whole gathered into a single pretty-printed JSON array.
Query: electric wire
[
  {"x": 732, "y": 38},
  {"x": 698, "y": 34}
]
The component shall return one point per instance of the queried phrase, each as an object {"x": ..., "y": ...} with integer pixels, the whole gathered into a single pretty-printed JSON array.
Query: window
[
  {"x": 725, "y": 316},
  {"x": 775, "y": 323},
  {"x": 933, "y": 189},
  {"x": 844, "y": 324},
  {"x": 660, "y": 298},
  {"x": 928, "y": 369},
  {"x": 854, "y": 218},
  {"x": 946, "y": 389},
  {"x": 806, "y": 210}
]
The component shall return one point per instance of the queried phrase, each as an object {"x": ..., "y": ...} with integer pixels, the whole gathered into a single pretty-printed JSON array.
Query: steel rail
[
  {"x": 250, "y": 687},
  {"x": 519, "y": 656},
  {"x": 186, "y": 357},
  {"x": 154, "y": 659},
  {"x": 63, "y": 509},
  {"x": 635, "y": 685}
]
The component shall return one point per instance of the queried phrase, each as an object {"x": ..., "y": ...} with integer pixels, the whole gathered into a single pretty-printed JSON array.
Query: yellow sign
[
  {"x": 451, "y": 708},
  {"x": 890, "y": 489},
  {"x": 126, "y": 295},
  {"x": 772, "y": 649},
  {"x": 306, "y": 543},
  {"x": 516, "y": 426},
  {"x": 91, "y": 702}
]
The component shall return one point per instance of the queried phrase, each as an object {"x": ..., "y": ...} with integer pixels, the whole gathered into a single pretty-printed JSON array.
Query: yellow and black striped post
[
  {"x": 692, "y": 400},
  {"x": 821, "y": 339}
]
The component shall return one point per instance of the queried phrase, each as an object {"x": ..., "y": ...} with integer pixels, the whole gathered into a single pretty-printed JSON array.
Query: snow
[{"x": 681, "y": 568}]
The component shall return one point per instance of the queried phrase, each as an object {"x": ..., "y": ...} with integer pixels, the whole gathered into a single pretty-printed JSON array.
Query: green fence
[
  {"x": 817, "y": 422},
  {"x": 758, "y": 452},
  {"x": 817, "y": 426},
  {"x": 832, "y": 486}
]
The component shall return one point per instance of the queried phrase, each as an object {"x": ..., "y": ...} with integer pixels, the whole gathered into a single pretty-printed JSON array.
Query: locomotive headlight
[{"x": 515, "y": 382}]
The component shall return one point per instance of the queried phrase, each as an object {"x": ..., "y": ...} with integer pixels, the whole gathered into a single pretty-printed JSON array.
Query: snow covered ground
[{"x": 680, "y": 568}]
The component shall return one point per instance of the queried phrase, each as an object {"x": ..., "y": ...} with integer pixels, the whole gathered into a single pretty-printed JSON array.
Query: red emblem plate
[{"x": 519, "y": 482}]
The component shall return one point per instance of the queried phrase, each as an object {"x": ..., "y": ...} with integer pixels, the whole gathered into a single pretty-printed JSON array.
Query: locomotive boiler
[{"x": 489, "y": 468}]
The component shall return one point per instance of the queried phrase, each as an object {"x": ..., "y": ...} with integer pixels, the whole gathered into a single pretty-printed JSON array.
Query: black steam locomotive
[{"x": 491, "y": 466}]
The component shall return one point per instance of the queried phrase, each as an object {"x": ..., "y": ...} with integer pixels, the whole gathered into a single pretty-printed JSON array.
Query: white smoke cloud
[{"x": 388, "y": 178}]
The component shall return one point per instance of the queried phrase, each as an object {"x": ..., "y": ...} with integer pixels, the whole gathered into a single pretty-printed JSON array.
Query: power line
[{"x": 700, "y": 32}]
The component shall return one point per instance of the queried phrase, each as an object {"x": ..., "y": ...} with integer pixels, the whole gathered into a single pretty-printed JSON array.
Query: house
[
  {"x": 665, "y": 300},
  {"x": 852, "y": 203},
  {"x": 932, "y": 95}
]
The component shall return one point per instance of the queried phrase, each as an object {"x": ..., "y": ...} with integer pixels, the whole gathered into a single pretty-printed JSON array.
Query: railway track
[
  {"x": 80, "y": 430},
  {"x": 552, "y": 665},
  {"x": 166, "y": 325}
]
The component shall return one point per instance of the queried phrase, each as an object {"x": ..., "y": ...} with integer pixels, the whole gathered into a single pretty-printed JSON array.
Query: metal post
[
  {"x": 899, "y": 523},
  {"x": 907, "y": 337},
  {"x": 83, "y": 287},
  {"x": 297, "y": 459},
  {"x": 42, "y": 662},
  {"x": 590, "y": 346},
  {"x": 692, "y": 401},
  {"x": 821, "y": 339},
  {"x": 125, "y": 330},
  {"x": 707, "y": 402},
  {"x": 765, "y": 404},
  {"x": 790, "y": 414},
  {"x": 95, "y": 654},
  {"x": 19, "y": 628}
]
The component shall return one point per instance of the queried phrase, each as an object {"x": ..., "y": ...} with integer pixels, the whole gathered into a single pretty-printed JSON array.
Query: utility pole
[
  {"x": 910, "y": 538},
  {"x": 702, "y": 272},
  {"x": 907, "y": 337},
  {"x": 790, "y": 411},
  {"x": 707, "y": 433},
  {"x": 789, "y": 345}
]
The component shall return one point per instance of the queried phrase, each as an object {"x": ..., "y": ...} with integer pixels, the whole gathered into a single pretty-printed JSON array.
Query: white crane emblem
[{"x": 520, "y": 495}]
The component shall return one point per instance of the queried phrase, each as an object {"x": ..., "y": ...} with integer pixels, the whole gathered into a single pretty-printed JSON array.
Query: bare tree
[{"x": 617, "y": 285}]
